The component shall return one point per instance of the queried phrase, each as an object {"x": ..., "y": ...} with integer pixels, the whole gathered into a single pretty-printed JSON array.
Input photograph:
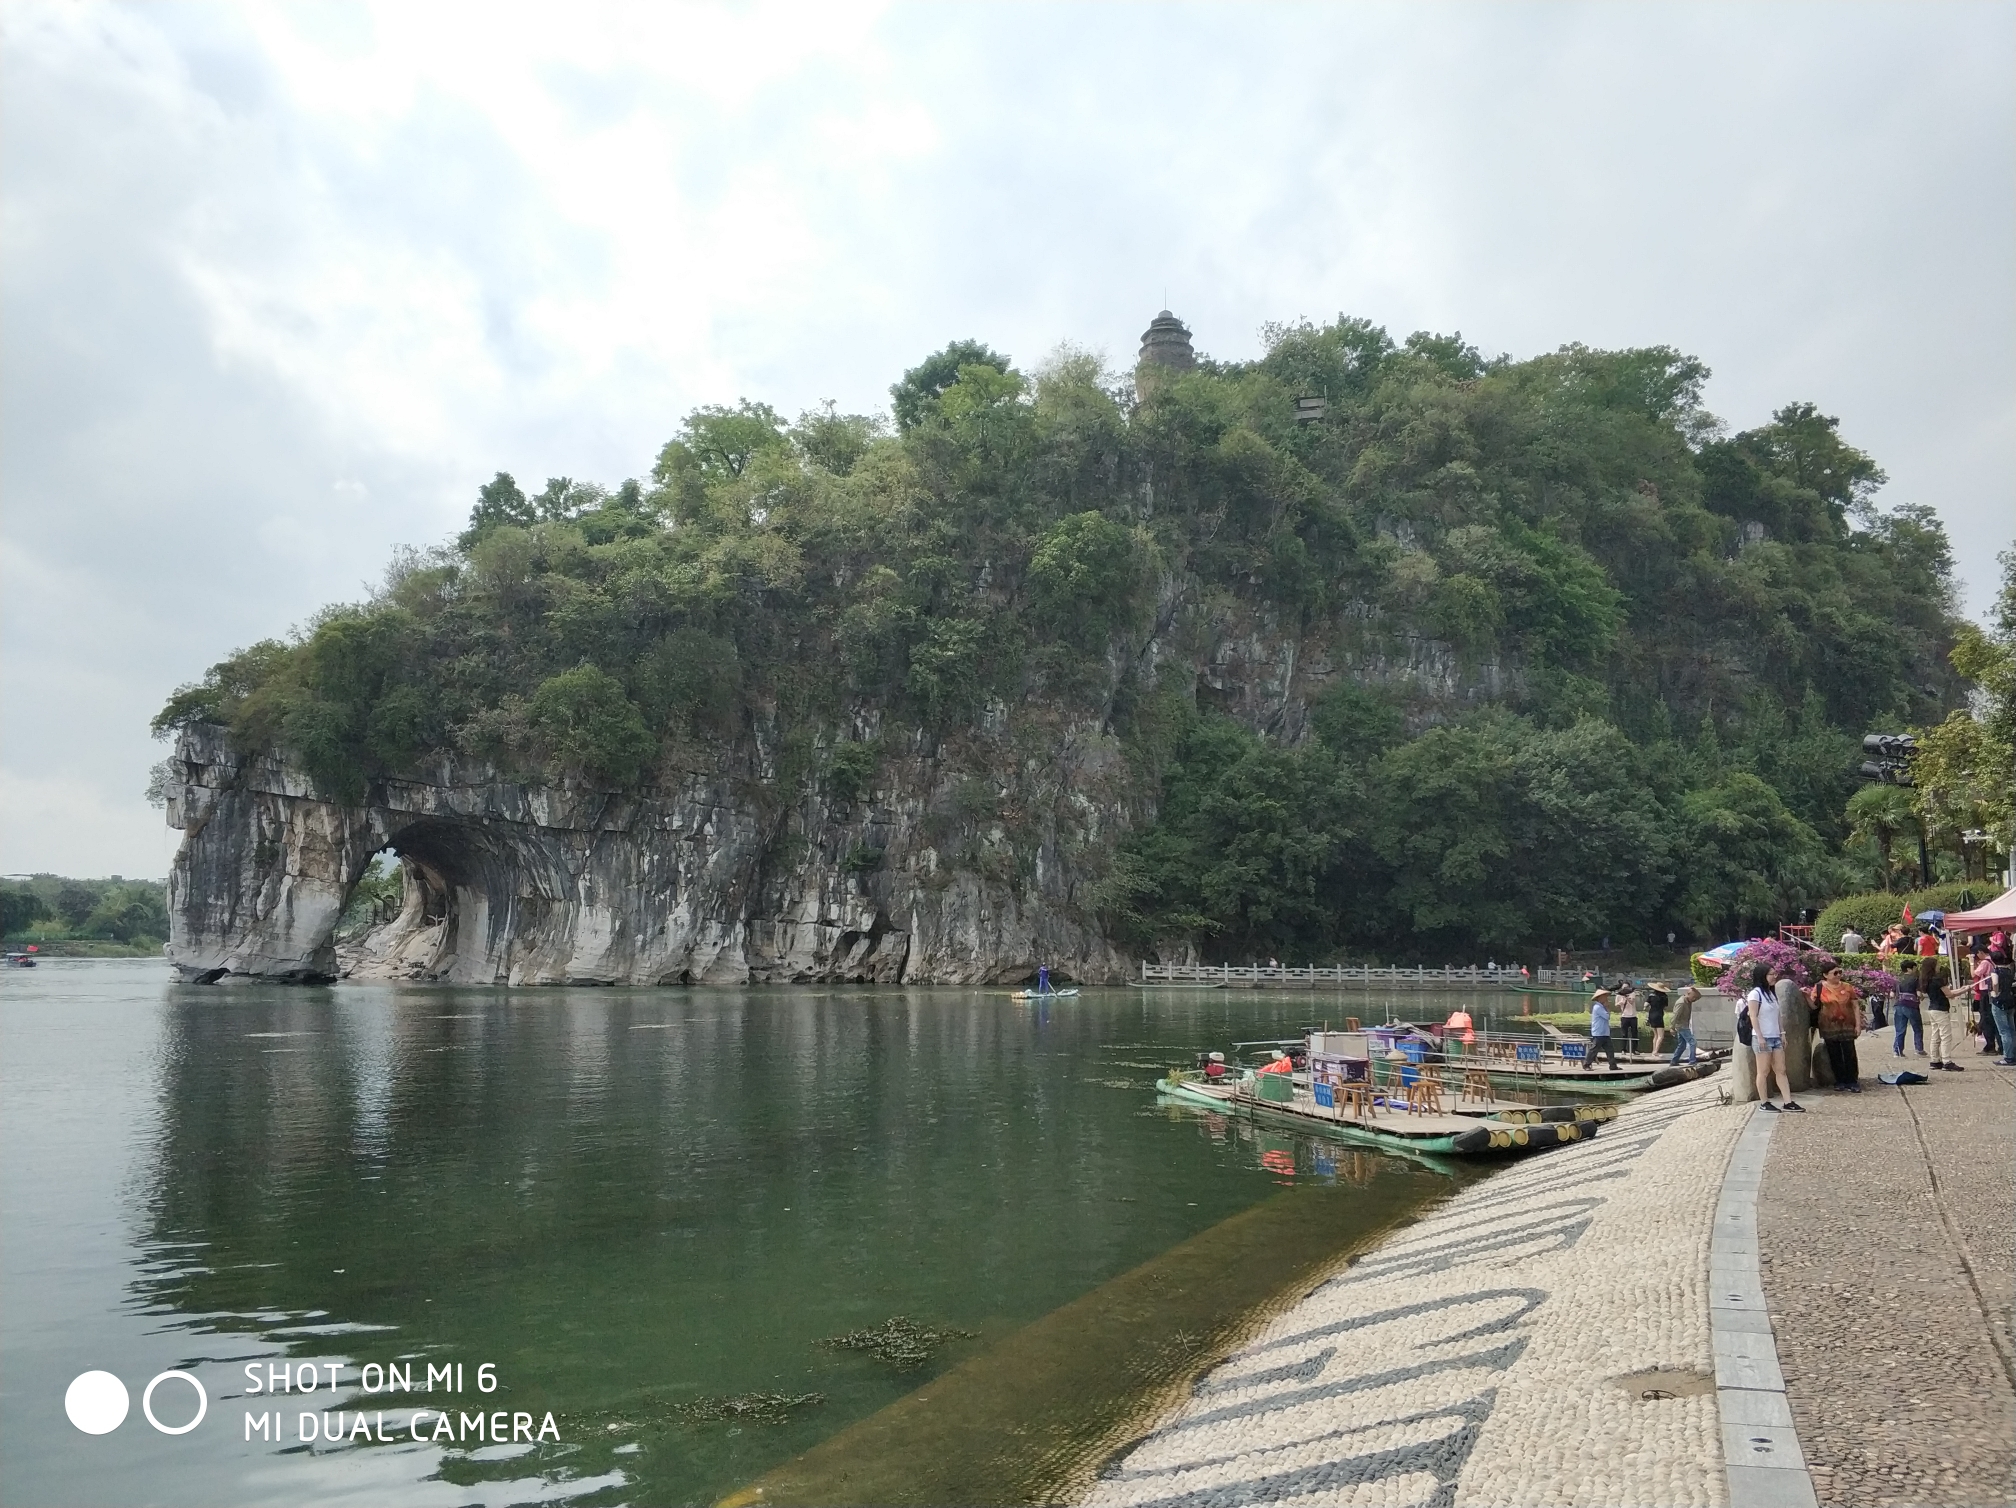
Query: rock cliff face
[{"x": 937, "y": 878}]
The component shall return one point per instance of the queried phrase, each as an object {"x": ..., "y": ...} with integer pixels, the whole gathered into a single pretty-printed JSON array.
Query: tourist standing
[
  {"x": 2002, "y": 1003},
  {"x": 1627, "y": 1017},
  {"x": 1767, "y": 1037},
  {"x": 1656, "y": 1001},
  {"x": 1904, "y": 1011},
  {"x": 1982, "y": 983},
  {"x": 1938, "y": 1015},
  {"x": 1683, "y": 1025},
  {"x": 1854, "y": 942},
  {"x": 1599, "y": 1031},
  {"x": 1840, "y": 1025}
]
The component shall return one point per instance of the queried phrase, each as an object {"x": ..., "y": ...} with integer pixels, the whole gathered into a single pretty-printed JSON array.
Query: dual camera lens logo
[{"x": 97, "y": 1402}]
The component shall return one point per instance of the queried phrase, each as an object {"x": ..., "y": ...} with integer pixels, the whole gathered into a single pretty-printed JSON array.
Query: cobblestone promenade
[
  {"x": 1501, "y": 1352},
  {"x": 1498, "y": 1353},
  {"x": 1887, "y": 1226}
]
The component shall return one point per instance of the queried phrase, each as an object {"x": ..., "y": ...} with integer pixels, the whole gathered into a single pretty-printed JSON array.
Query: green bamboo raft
[{"x": 1390, "y": 1126}]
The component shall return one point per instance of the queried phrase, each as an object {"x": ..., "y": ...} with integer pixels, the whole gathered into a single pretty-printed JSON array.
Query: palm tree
[{"x": 1882, "y": 814}]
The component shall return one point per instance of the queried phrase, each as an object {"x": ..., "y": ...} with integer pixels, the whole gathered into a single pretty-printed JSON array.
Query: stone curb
[{"x": 1760, "y": 1447}]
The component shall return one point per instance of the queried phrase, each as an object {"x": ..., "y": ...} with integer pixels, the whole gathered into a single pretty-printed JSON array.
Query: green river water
[{"x": 633, "y": 1205}]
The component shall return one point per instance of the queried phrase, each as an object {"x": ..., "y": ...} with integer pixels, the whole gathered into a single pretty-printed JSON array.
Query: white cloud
[{"x": 284, "y": 284}]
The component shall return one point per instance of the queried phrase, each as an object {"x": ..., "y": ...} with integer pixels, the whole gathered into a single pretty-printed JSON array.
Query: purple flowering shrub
[
  {"x": 1808, "y": 965},
  {"x": 1873, "y": 981}
]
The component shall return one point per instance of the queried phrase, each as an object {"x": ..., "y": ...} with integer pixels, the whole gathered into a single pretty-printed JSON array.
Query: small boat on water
[
  {"x": 1359, "y": 1088},
  {"x": 1037, "y": 995},
  {"x": 21, "y": 958},
  {"x": 1381, "y": 1121}
]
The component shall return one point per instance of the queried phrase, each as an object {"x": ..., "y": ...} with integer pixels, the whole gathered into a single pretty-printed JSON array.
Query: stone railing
[{"x": 1258, "y": 976}]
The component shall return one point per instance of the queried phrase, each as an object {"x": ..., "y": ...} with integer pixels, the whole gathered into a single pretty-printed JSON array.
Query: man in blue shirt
[{"x": 1599, "y": 1031}]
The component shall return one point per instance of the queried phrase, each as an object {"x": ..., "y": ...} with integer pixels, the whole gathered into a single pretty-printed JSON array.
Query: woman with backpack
[{"x": 1767, "y": 1037}]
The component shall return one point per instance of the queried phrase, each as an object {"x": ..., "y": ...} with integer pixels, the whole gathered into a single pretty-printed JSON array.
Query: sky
[{"x": 281, "y": 286}]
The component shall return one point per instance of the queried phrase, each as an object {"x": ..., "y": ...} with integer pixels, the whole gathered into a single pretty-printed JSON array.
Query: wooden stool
[
  {"x": 1424, "y": 1097},
  {"x": 1476, "y": 1085},
  {"x": 1355, "y": 1098},
  {"x": 1350, "y": 1023}
]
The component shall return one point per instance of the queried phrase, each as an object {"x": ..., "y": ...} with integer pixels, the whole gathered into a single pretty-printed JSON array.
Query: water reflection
[{"x": 627, "y": 1201}]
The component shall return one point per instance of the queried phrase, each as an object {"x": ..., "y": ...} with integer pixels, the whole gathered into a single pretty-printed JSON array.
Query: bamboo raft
[{"x": 1416, "y": 1121}]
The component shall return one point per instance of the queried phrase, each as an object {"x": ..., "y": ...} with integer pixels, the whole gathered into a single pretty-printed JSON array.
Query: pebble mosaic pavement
[
  {"x": 1473, "y": 1361},
  {"x": 1893, "y": 1307}
]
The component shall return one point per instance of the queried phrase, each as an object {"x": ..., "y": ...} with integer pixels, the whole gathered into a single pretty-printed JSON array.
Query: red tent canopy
[{"x": 1998, "y": 915}]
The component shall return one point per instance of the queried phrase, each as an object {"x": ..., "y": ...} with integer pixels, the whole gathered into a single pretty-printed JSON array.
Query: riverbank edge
[
  {"x": 1575, "y": 1286},
  {"x": 1040, "y": 1437}
]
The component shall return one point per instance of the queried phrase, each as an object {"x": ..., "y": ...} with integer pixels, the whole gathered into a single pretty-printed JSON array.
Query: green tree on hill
[{"x": 1495, "y": 653}]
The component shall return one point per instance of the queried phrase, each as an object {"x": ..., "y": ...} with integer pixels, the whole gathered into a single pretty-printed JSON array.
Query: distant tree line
[
  {"x": 48, "y": 907},
  {"x": 1569, "y": 659}
]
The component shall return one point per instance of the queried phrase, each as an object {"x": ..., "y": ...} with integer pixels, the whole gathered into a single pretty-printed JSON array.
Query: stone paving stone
[
  {"x": 1766, "y": 1409},
  {"x": 1890, "y": 1278},
  {"x": 1476, "y": 1358},
  {"x": 1761, "y": 1444},
  {"x": 1771, "y": 1487}
]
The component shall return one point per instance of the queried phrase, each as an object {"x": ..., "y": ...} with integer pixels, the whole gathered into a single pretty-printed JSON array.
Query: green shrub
[
  {"x": 1084, "y": 577},
  {"x": 690, "y": 679},
  {"x": 1874, "y": 911},
  {"x": 850, "y": 770},
  {"x": 861, "y": 859},
  {"x": 586, "y": 723}
]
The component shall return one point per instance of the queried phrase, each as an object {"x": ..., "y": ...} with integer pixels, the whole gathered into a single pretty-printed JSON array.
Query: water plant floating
[
  {"x": 900, "y": 1341},
  {"x": 753, "y": 1408}
]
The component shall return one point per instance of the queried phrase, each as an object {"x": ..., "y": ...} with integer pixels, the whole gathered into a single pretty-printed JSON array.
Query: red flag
[{"x": 1907, "y": 913}]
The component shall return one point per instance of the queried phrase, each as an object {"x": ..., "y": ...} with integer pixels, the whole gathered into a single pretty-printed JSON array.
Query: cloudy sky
[{"x": 283, "y": 285}]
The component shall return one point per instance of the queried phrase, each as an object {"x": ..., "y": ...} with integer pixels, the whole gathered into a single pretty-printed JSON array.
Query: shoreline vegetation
[
  {"x": 1374, "y": 647},
  {"x": 71, "y": 918}
]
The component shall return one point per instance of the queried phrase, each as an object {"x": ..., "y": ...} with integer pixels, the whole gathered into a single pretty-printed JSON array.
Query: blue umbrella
[{"x": 1725, "y": 953}]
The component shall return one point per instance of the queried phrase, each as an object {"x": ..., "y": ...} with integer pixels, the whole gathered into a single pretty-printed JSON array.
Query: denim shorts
[{"x": 1774, "y": 1044}]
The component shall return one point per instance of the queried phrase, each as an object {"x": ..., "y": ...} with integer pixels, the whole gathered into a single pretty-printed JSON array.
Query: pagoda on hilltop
[{"x": 1166, "y": 343}]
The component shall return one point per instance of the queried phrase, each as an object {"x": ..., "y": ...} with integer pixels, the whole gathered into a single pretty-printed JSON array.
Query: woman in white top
[{"x": 1767, "y": 1037}]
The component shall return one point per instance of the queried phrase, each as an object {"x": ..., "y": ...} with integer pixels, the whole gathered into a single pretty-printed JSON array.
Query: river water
[{"x": 625, "y": 1207}]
